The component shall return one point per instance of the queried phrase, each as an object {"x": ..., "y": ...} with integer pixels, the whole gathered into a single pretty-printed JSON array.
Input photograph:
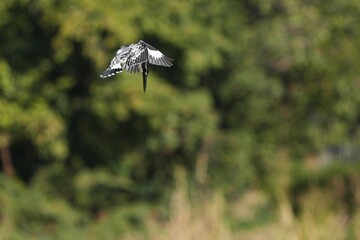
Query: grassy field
[{"x": 254, "y": 216}]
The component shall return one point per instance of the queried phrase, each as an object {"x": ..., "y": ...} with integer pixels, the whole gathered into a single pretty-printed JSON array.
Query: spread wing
[
  {"x": 158, "y": 58},
  {"x": 115, "y": 67},
  {"x": 117, "y": 63}
]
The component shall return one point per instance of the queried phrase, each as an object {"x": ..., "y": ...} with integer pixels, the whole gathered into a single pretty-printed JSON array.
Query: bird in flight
[{"x": 134, "y": 58}]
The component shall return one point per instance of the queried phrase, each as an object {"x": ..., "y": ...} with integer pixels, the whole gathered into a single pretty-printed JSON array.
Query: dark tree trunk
[{"x": 5, "y": 156}]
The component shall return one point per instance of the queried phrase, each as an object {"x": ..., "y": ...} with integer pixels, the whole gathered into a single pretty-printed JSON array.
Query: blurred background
[{"x": 254, "y": 133}]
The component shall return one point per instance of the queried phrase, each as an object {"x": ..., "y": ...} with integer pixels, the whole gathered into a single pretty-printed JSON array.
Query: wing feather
[{"x": 157, "y": 58}]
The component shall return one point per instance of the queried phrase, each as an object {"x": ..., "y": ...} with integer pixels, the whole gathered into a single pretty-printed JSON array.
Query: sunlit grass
[{"x": 320, "y": 216}]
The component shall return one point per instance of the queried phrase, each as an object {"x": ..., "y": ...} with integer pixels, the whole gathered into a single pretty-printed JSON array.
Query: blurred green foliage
[{"x": 257, "y": 90}]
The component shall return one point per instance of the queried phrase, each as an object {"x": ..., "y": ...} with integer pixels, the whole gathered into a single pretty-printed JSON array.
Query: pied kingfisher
[{"x": 134, "y": 58}]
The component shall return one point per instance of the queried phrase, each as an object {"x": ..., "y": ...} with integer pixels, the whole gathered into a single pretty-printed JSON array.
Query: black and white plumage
[{"x": 134, "y": 58}]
